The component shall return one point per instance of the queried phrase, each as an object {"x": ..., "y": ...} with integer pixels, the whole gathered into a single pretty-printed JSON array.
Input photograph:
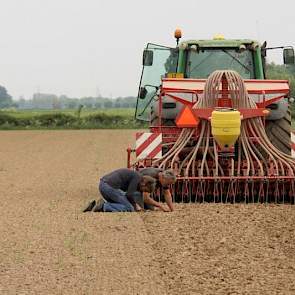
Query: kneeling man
[{"x": 119, "y": 189}]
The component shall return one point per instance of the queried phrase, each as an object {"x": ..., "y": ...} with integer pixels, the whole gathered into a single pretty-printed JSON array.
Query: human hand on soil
[
  {"x": 164, "y": 208},
  {"x": 137, "y": 207}
]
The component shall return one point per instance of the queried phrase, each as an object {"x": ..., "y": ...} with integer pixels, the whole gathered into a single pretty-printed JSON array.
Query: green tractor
[{"x": 197, "y": 59}]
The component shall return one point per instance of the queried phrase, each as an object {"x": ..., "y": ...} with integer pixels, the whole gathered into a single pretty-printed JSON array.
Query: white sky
[{"x": 73, "y": 47}]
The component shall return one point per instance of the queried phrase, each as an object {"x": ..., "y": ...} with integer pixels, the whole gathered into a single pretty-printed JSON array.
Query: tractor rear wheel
[{"x": 279, "y": 133}]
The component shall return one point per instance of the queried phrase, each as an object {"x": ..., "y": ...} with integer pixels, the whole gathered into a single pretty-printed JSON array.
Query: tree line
[{"x": 52, "y": 101}]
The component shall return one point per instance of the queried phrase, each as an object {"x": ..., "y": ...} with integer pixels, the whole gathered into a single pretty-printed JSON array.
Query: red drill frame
[{"x": 173, "y": 88}]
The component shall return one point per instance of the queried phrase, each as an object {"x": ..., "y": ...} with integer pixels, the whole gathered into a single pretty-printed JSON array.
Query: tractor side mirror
[
  {"x": 289, "y": 56},
  {"x": 147, "y": 58},
  {"x": 263, "y": 49},
  {"x": 142, "y": 92}
]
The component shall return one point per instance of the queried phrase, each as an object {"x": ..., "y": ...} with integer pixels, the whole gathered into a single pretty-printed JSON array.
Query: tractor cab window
[
  {"x": 157, "y": 62},
  {"x": 202, "y": 62}
]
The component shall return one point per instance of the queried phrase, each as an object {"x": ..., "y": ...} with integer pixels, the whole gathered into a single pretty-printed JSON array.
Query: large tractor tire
[{"x": 279, "y": 133}]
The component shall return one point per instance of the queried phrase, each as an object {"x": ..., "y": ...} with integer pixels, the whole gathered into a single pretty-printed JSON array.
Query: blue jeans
[{"x": 116, "y": 200}]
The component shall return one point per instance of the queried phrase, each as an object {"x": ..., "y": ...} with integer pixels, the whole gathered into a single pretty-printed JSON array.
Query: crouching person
[{"x": 119, "y": 189}]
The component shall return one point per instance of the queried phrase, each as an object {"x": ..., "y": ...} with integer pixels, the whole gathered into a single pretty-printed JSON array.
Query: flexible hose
[{"x": 256, "y": 154}]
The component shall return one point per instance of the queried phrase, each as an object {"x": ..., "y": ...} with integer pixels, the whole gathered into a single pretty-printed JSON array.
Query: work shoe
[
  {"x": 90, "y": 206},
  {"x": 99, "y": 206}
]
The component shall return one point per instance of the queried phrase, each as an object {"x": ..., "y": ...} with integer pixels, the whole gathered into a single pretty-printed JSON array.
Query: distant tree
[
  {"x": 126, "y": 104},
  {"x": 45, "y": 101},
  {"x": 21, "y": 102},
  {"x": 56, "y": 104},
  {"x": 71, "y": 104},
  {"x": 88, "y": 105},
  {"x": 108, "y": 104},
  {"x": 5, "y": 98},
  {"x": 117, "y": 104},
  {"x": 291, "y": 69},
  {"x": 98, "y": 105},
  {"x": 88, "y": 102},
  {"x": 63, "y": 101},
  {"x": 129, "y": 102},
  {"x": 274, "y": 71}
]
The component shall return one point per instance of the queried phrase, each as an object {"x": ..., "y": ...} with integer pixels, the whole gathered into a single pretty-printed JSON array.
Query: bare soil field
[{"x": 48, "y": 246}]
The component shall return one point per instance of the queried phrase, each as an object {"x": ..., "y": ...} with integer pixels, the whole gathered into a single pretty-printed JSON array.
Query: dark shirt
[
  {"x": 153, "y": 172},
  {"x": 126, "y": 180}
]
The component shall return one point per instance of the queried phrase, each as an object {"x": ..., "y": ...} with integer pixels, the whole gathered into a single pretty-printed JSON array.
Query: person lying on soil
[
  {"x": 119, "y": 189},
  {"x": 164, "y": 179}
]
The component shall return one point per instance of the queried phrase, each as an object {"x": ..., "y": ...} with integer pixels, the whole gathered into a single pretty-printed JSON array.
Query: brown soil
[{"x": 47, "y": 246}]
